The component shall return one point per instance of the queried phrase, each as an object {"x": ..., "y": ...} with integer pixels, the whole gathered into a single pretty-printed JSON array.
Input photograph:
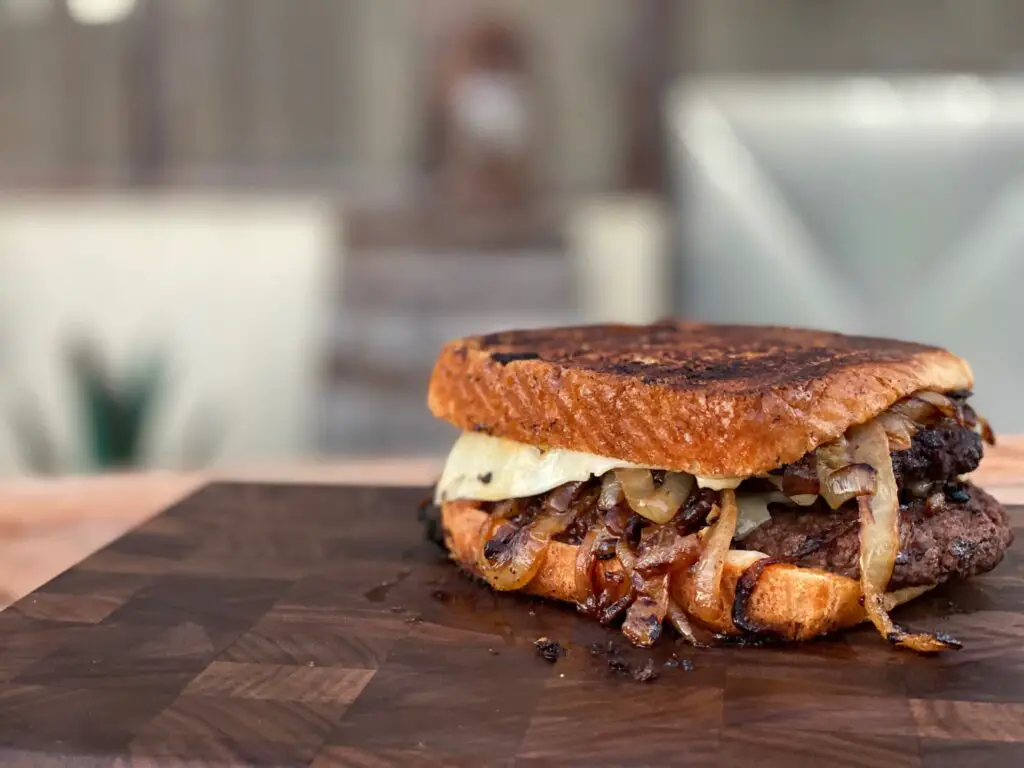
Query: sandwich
[{"x": 734, "y": 482}]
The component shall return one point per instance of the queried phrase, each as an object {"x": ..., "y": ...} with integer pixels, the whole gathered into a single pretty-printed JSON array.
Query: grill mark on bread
[
  {"x": 504, "y": 358},
  {"x": 683, "y": 356}
]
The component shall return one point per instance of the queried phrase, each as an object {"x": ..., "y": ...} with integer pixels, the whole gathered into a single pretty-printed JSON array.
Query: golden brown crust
[
  {"x": 720, "y": 401},
  {"x": 789, "y": 602}
]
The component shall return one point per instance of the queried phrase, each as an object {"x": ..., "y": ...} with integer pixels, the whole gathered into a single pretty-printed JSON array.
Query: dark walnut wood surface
[{"x": 290, "y": 625}]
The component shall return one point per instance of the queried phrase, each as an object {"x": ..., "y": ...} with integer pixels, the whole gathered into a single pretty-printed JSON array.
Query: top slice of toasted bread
[{"x": 713, "y": 400}]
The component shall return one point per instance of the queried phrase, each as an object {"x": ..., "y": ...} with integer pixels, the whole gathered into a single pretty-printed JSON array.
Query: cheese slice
[
  {"x": 752, "y": 511},
  {"x": 486, "y": 468}
]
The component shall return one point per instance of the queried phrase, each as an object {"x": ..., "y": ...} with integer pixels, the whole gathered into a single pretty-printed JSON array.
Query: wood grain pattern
[{"x": 313, "y": 625}]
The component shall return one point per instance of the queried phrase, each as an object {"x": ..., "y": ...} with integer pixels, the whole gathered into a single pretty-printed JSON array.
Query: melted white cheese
[
  {"x": 752, "y": 511},
  {"x": 486, "y": 468},
  {"x": 719, "y": 483}
]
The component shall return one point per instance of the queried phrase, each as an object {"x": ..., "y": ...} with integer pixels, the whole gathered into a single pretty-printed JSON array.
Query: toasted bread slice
[
  {"x": 716, "y": 401},
  {"x": 789, "y": 602}
]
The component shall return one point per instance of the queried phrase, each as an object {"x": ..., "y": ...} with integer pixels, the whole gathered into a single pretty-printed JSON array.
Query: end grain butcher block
[{"x": 290, "y": 625}]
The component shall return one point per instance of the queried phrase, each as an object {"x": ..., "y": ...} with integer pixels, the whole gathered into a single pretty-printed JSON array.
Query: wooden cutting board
[{"x": 293, "y": 625}]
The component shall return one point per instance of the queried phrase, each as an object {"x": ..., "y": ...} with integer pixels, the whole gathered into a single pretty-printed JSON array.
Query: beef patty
[
  {"x": 963, "y": 539},
  {"x": 937, "y": 453}
]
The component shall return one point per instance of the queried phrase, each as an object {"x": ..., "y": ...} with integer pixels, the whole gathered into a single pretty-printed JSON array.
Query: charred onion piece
[
  {"x": 664, "y": 550},
  {"x": 603, "y": 594},
  {"x": 696, "y": 510},
  {"x": 657, "y": 505},
  {"x": 647, "y": 613},
  {"x": 515, "y": 565},
  {"x": 880, "y": 540},
  {"x": 707, "y": 572},
  {"x": 609, "y": 610}
]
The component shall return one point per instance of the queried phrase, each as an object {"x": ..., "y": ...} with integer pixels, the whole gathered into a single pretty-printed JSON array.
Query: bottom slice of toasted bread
[{"x": 788, "y": 602}]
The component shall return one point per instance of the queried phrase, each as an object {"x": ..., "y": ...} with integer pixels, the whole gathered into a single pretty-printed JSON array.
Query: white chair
[{"x": 231, "y": 293}]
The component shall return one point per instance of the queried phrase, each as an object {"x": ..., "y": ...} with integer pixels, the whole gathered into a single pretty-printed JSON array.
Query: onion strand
[
  {"x": 521, "y": 558},
  {"x": 659, "y": 505},
  {"x": 681, "y": 623},
  {"x": 707, "y": 572},
  {"x": 584, "y": 568},
  {"x": 880, "y": 540}
]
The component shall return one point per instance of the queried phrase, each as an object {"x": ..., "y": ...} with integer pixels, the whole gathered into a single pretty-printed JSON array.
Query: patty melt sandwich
[{"x": 743, "y": 482}]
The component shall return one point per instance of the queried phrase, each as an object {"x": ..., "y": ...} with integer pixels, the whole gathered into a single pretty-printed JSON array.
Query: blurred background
[{"x": 237, "y": 232}]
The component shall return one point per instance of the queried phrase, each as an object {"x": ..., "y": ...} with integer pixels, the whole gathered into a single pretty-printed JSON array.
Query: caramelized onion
[
  {"x": 942, "y": 403},
  {"x": 506, "y": 509},
  {"x": 900, "y": 596},
  {"x": 584, "y": 566},
  {"x": 920, "y": 412},
  {"x": 852, "y": 480},
  {"x": 664, "y": 550},
  {"x": 657, "y": 505},
  {"x": 880, "y": 540},
  {"x": 830, "y": 458},
  {"x": 611, "y": 492},
  {"x": 560, "y": 499},
  {"x": 899, "y": 429},
  {"x": 682, "y": 625},
  {"x": 924, "y": 408},
  {"x": 522, "y": 557},
  {"x": 611, "y": 603},
  {"x": 879, "y": 523},
  {"x": 625, "y": 555},
  {"x": 707, "y": 573},
  {"x": 647, "y": 613}
]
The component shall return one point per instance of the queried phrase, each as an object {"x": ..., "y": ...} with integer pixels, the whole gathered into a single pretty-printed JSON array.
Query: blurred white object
[
  {"x": 100, "y": 11},
  {"x": 233, "y": 293},
  {"x": 620, "y": 252},
  {"x": 888, "y": 207},
  {"x": 492, "y": 111}
]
